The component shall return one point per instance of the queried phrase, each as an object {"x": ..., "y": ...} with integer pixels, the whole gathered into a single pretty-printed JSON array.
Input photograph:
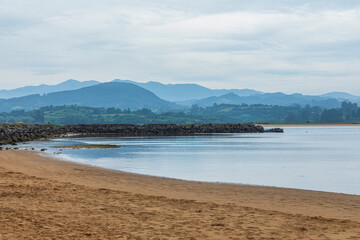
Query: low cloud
[{"x": 297, "y": 46}]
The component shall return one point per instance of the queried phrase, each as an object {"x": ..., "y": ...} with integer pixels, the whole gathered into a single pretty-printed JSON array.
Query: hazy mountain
[
  {"x": 169, "y": 92},
  {"x": 342, "y": 96},
  {"x": 188, "y": 94},
  {"x": 119, "y": 95},
  {"x": 280, "y": 99},
  {"x": 43, "y": 89},
  {"x": 187, "y": 91}
]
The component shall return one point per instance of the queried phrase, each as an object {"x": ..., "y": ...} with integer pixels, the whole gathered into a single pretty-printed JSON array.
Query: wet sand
[{"x": 44, "y": 198}]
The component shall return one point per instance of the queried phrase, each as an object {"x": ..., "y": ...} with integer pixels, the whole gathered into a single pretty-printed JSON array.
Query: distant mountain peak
[
  {"x": 70, "y": 81},
  {"x": 340, "y": 95},
  {"x": 184, "y": 93},
  {"x": 110, "y": 94},
  {"x": 70, "y": 84},
  {"x": 277, "y": 98}
]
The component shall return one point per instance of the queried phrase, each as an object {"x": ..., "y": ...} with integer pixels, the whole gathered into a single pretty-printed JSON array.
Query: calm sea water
[{"x": 315, "y": 158}]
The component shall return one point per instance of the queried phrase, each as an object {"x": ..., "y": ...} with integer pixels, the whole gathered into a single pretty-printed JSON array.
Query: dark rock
[
  {"x": 10, "y": 134},
  {"x": 275, "y": 130}
]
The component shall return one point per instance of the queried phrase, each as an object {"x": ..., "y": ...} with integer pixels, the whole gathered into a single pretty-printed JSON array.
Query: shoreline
[
  {"x": 294, "y": 213},
  {"x": 63, "y": 159}
]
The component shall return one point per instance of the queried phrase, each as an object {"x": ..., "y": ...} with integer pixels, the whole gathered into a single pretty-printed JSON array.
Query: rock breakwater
[{"x": 13, "y": 133}]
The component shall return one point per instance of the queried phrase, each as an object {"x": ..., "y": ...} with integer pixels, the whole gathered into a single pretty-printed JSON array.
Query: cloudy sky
[{"x": 279, "y": 45}]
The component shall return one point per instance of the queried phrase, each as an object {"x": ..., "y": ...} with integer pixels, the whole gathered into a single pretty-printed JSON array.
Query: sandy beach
[{"x": 44, "y": 198}]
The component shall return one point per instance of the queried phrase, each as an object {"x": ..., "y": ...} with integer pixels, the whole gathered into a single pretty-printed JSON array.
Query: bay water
[{"x": 313, "y": 158}]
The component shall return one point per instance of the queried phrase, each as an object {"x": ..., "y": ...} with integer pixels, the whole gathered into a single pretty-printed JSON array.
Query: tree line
[{"x": 224, "y": 113}]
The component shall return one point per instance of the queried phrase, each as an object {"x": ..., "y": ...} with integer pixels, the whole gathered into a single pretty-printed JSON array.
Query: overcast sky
[{"x": 290, "y": 46}]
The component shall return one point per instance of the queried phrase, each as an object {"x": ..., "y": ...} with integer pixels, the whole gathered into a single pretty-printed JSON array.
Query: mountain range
[
  {"x": 186, "y": 91},
  {"x": 170, "y": 92},
  {"x": 113, "y": 94},
  {"x": 44, "y": 89},
  {"x": 280, "y": 99},
  {"x": 153, "y": 95}
]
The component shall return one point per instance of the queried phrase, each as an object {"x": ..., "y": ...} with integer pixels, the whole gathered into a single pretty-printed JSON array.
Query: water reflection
[{"x": 317, "y": 158}]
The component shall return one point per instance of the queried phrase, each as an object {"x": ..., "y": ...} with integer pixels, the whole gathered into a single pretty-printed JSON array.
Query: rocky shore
[{"x": 18, "y": 132}]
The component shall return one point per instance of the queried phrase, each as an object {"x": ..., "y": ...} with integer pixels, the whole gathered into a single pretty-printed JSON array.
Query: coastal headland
[
  {"x": 19, "y": 132},
  {"x": 44, "y": 198}
]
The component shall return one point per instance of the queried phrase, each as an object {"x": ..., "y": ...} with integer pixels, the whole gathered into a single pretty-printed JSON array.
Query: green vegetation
[
  {"x": 224, "y": 113},
  {"x": 61, "y": 115},
  {"x": 89, "y": 146}
]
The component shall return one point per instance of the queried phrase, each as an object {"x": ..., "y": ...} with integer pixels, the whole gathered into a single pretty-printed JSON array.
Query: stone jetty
[{"x": 19, "y": 132}]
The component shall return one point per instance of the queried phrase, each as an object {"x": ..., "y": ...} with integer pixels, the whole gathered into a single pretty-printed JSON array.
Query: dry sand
[{"x": 43, "y": 198}]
